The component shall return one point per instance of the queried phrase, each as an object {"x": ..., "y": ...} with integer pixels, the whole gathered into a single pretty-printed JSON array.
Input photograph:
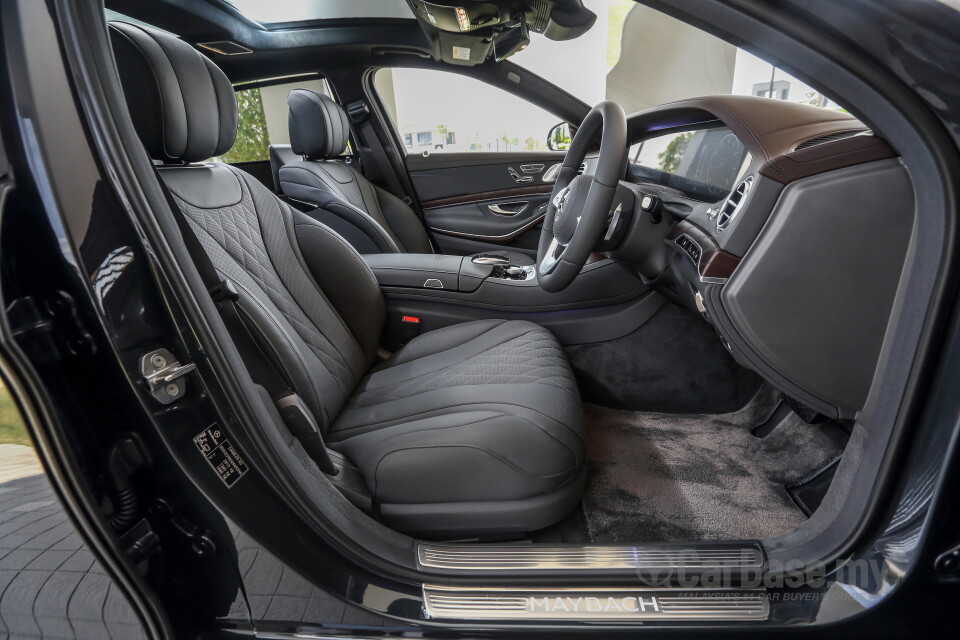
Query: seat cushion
[{"x": 483, "y": 412}]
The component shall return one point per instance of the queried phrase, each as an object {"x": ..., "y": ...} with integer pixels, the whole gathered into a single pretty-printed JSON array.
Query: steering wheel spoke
[
  {"x": 579, "y": 205},
  {"x": 552, "y": 257}
]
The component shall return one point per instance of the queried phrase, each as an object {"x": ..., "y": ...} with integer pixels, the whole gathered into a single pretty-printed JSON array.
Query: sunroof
[{"x": 278, "y": 11}]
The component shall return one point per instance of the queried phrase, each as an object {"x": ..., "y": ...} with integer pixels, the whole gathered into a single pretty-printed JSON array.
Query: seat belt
[
  {"x": 359, "y": 114},
  {"x": 260, "y": 360}
]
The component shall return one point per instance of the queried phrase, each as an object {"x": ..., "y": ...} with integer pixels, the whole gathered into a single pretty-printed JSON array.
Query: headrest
[
  {"x": 182, "y": 104},
  {"x": 318, "y": 126}
]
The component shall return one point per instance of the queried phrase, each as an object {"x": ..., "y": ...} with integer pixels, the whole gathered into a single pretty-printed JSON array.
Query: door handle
[
  {"x": 508, "y": 208},
  {"x": 517, "y": 177}
]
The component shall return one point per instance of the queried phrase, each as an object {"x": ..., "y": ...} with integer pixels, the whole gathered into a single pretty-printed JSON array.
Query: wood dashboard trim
[
  {"x": 829, "y": 156},
  {"x": 715, "y": 264}
]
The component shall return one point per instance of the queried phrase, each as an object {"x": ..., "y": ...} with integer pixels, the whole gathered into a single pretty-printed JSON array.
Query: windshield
[
  {"x": 279, "y": 12},
  {"x": 641, "y": 58}
]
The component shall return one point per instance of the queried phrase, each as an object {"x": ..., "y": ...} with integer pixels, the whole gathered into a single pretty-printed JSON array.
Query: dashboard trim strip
[{"x": 715, "y": 265}]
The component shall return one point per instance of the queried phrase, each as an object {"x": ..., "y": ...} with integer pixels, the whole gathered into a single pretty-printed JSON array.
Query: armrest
[{"x": 427, "y": 271}]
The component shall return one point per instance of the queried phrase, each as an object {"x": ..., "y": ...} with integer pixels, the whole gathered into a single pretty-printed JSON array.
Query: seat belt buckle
[
  {"x": 409, "y": 329},
  {"x": 224, "y": 290}
]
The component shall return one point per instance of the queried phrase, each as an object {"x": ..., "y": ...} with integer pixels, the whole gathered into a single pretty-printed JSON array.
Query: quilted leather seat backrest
[
  {"x": 322, "y": 324},
  {"x": 319, "y": 132}
]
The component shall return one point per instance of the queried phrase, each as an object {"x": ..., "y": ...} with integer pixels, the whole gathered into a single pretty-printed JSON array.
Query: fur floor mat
[{"x": 657, "y": 477}]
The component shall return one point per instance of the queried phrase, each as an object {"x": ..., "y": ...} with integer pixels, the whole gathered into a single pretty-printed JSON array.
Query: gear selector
[{"x": 490, "y": 258}]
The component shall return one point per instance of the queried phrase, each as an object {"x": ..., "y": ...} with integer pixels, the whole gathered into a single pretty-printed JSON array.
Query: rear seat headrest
[
  {"x": 182, "y": 104},
  {"x": 318, "y": 126}
]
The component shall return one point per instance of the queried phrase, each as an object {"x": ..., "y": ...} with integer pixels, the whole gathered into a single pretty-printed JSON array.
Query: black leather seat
[
  {"x": 371, "y": 219},
  {"x": 470, "y": 429}
]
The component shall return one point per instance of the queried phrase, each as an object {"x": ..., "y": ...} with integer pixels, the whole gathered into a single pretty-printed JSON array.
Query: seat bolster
[
  {"x": 404, "y": 222},
  {"x": 280, "y": 156},
  {"x": 307, "y": 182},
  {"x": 558, "y": 410},
  {"x": 511, "y": 367},
  {"x": 361, "y": 223},
  {"x": 439, "y": 340},
  {"x": 344, "y": 278},
  {"x": 476, "y": 455}
]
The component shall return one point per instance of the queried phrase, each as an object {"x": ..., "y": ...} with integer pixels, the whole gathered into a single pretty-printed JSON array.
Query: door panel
[
  {"x": 448, "y": 175},
  {"x": 481, "y": 201}
]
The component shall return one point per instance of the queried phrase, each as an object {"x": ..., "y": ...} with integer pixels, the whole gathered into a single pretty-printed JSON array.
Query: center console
[{"x": 606, "y": 301}]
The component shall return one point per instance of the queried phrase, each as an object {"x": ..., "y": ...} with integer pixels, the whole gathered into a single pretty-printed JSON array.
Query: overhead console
[{"x": 470, "y": 31}]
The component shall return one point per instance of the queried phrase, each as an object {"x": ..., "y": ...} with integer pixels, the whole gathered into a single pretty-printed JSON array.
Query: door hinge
[
  {"x": 202, "y": 542},
  {"x": 164, "y": 375},
  {"x": 48, "y": 327}
]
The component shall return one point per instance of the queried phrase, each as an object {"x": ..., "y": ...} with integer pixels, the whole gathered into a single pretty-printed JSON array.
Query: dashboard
[{"x": 757, "y": 209}]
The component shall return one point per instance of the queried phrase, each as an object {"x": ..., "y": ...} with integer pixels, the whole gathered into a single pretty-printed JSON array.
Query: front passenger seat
[
  {"x": 475, "y": 428},
  {"x": 371, "y": 219}
]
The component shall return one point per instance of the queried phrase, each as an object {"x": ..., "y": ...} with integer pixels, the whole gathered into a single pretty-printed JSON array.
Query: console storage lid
[{"x": 426, "y": 271}]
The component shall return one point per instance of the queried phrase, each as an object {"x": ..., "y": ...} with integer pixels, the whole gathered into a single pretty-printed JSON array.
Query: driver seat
[
  {"x": 369, "y": 218},
  {"x": 471, "y": 429}
]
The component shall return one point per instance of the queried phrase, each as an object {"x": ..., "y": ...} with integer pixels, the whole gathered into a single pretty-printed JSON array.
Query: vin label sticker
[{"x": 221, "y": 455}]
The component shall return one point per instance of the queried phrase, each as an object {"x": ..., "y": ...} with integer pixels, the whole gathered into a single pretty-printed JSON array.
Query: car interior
[{"x": 476, "y": 356}]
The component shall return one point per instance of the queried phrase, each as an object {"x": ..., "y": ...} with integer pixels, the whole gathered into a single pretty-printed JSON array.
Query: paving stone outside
[
  {"x": 52, "y": 587},
  {"x": 50, "y": 584}
]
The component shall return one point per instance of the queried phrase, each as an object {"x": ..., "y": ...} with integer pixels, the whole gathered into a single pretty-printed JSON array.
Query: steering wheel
[{"x": 579, "y": 205}]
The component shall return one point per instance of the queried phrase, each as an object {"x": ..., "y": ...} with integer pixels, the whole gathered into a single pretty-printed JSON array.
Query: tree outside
[
  {"x": 12, "y": 429},
  {"x": 670, "y": 157},
  {"x": 252, "y": 140},
  {"x": 532, "y": 144},
  {"x": 560, "y": 137}
]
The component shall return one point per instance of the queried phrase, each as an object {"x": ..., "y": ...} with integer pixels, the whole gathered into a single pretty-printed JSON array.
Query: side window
[
  {"x": 263, "y": 119},
  {"x": 442, "y": 112}
]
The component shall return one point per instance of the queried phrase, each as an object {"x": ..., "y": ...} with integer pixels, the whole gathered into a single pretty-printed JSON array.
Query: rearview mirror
[
  {"x": 560, "y": 137},
  {"x": 513, "y": 38}
]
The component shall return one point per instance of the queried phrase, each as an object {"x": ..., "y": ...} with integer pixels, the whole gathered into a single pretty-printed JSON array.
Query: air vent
[
  {"x": 733, "y": 203},
  {"x": 582, "y": 170},
  {"x": 225, "y": 48},
  {"x": 830, "y": 137}
]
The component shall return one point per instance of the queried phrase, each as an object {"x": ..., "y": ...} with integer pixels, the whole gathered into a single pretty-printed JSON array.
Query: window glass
[
  {"x": 309, "y": 10},
  {"x": 439, "y": 111},
  {"x": 640, "y": 57},
  {"x": 263, "y": 119}
]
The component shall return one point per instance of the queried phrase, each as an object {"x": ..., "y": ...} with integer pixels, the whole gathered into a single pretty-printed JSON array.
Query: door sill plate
[
  {"x": 597, "y": 559},
  {"x": 594, "y": 605}
]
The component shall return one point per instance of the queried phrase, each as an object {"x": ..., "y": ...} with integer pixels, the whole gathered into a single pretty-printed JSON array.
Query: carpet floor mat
[{"x": 658, "y": 477}]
